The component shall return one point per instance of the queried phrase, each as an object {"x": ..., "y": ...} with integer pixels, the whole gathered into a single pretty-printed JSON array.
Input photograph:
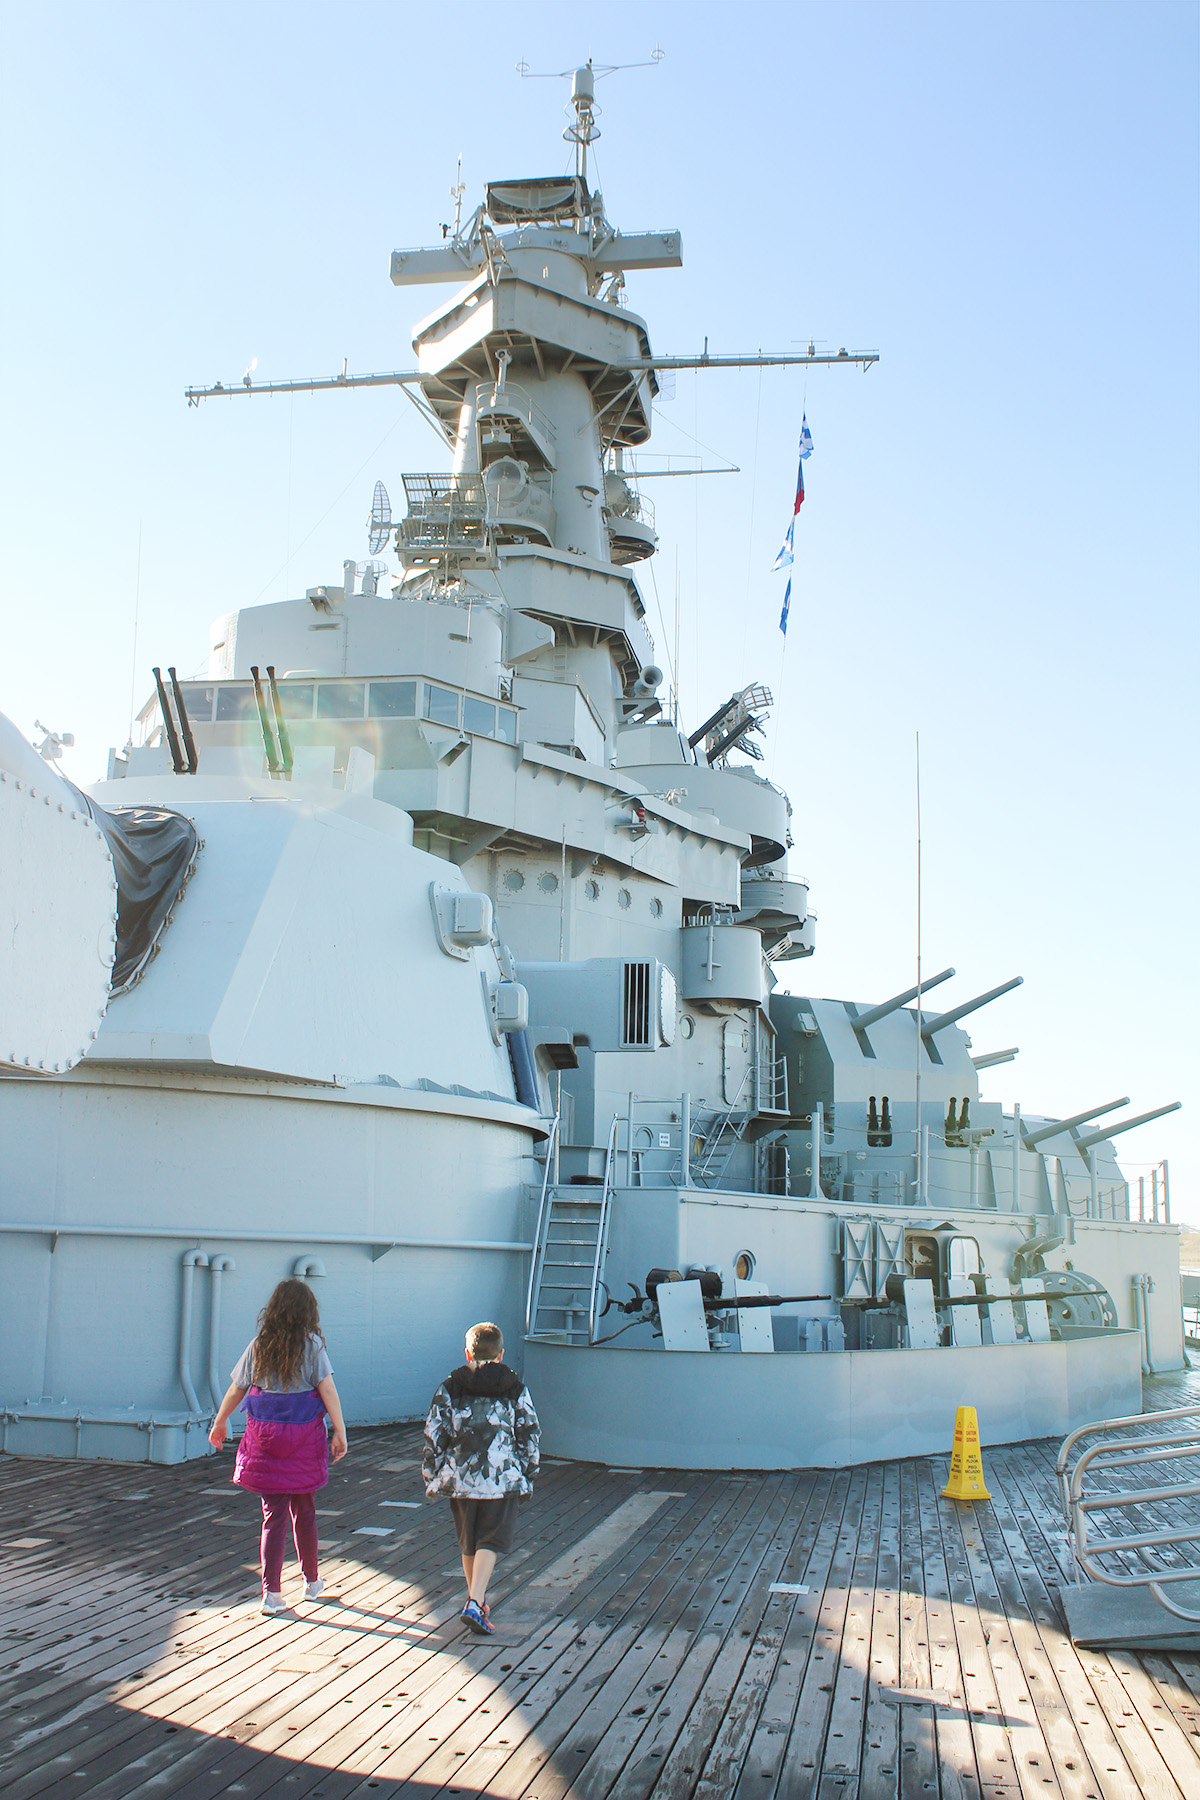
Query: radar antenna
[
  {"x": 380, "y": 522},
  {"x": 582, "y": 129}
]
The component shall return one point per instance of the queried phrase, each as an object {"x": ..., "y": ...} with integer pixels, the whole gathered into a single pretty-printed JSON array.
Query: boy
[{"x": 481, "y": 1448}]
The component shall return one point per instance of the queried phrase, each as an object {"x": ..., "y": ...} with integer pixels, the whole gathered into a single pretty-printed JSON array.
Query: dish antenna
[{"x": 381, "y": 519}]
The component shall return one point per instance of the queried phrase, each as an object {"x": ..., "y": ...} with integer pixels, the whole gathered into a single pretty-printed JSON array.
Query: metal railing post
[
  {"x": 685, "y": 1155},
  {"x": 610, "y": 1157}
]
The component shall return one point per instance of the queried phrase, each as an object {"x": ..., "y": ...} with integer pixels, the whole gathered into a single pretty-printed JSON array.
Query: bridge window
[
  {"x": 236, "y": 703},
  {"x": 479, "y": 716},
  {"x": 199, "y": 703},
  {"x": 441, "y": 704},
  {"x": 296, "y": 699},
  {"x": 341, "y": 699},
  {"x": 393, "y": 700}
]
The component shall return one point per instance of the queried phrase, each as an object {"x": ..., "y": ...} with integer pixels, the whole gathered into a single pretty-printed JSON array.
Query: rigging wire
[
  {"x": 750, "y": 532},
  {"x": 282, "y": 570},
  {"x": 922, "y": 1171},
  {"x": 137, "y": 601},
  {"x": 287, "y": 563},
  {"x": 662, "y": 419},
  {"x": 662, "y": 621}
]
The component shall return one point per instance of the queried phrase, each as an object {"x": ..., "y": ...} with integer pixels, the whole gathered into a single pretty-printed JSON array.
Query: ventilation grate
[{"x": 636, "y": 1006}]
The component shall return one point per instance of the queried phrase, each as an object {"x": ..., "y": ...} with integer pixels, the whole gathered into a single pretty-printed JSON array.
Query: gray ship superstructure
[{"x": 465, "y": 997}]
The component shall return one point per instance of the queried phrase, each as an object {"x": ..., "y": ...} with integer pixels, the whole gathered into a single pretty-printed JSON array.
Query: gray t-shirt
[{"x": 313, "y": 1368}]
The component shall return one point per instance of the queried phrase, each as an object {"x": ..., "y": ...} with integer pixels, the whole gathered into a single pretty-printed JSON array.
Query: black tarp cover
[{"x": 153, "y": 850}]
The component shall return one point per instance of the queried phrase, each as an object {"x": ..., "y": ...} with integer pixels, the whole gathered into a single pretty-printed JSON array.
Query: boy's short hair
[{"x": 485, "y": 1343}]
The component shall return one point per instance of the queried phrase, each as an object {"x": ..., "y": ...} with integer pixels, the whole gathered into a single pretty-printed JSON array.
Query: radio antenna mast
[{"x": 582, "y": 129}]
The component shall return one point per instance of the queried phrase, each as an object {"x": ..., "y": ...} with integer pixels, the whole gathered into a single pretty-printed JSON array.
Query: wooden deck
[{"x": 642, "y": 1649}]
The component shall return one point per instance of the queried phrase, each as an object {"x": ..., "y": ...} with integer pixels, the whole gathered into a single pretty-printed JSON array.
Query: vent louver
[{"x": 637, "y": 1004}]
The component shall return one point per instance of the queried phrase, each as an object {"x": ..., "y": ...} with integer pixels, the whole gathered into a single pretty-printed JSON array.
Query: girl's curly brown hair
[{"x": 285, "y": 1325}]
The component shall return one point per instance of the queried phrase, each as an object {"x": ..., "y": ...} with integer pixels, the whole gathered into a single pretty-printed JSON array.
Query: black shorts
[{"x": 485, "y": 1524}]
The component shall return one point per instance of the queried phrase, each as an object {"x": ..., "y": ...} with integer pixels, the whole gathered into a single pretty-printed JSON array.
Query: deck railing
[{"x": 1159, "y": 1501}]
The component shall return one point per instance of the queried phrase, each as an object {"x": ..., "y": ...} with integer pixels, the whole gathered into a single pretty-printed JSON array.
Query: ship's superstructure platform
[{"x": 842, "y": 1634}]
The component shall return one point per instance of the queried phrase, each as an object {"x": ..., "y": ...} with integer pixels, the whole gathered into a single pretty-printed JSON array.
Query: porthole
[
  {"x": 514, "y": 881},
  {"x": 656, "y": 908},
  {"x": 687, "y": 1026},
  {"x": 743, "y": 1265},
  {"x": 548, "y": 882},
  {"x": 624, "y": 899},
  {"x": 592, "y": 889}
]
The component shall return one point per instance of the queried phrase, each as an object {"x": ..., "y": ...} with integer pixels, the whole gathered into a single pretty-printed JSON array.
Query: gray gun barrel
[
  {"x": 1030, "y": 1138},
  {"x": 992, "y": 1057},
  {"x": 968, "y": 1006},
  {"x": 865, "y": 1020},
  {"x": 1110, "y": 1131}
]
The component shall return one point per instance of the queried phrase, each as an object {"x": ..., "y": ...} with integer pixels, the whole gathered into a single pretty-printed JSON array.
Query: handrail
[
  {"x": 496, "y": 399},
  {"x": 1108, "y": 1456},
  {"x": 535, "y": 1259},
  {"x": 715, "y": 1136},
  {"x": 610, "y": 1157}
]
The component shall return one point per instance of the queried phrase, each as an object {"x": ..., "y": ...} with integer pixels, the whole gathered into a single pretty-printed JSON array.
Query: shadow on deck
[{"x": 835, "y": 1634}]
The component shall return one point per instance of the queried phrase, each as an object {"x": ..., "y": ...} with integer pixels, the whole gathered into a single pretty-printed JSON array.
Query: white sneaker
[
  {"x": 273, "y": 1603},
  {"x": 314, "y": 1589}
]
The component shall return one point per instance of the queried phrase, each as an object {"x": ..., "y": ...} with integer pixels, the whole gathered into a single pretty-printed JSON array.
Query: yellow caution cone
[{"x": 966, "y": 1463}]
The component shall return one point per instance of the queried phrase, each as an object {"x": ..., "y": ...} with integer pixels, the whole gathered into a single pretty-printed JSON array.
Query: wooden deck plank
[
  {"x": 538, "y": 1687},
  {"x": 918, "y": 1745},
  {"x": 879, "y": 1771},
  {"x": 251, "y": 1630},
  {"x": 807, "y": 1564},
  {"x": 957, "y": 1768},
  {"x": 431, "y": 1670},
  {"x": 830, "y": 1572},
  {"x": 1029, "y": 1605},
  {"x": 762, "y": 1628},
  {"x": 134, "y": 1662},
  {"x": 737, "y": 1563}
]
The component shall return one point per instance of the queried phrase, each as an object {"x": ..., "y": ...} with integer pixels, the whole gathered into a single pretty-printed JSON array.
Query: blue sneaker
[{"x": 476, "y": 1617}]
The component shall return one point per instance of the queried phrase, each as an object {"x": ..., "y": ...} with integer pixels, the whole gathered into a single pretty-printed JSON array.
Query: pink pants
[{"x": 276, "y": 1509}]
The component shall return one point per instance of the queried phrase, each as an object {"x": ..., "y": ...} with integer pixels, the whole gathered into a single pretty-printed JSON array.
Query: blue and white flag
[{"x": 787, "y": 551}]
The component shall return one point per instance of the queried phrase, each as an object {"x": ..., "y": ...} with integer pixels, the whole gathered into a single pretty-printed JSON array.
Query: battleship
[{"x": 420, "y": 948}]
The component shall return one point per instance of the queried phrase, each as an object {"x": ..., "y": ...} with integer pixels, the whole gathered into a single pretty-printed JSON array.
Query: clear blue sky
[{"x": 999, "y": 547}]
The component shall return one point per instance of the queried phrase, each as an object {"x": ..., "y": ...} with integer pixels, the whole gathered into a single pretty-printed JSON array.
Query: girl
[{"x": 283, "y": 1455}]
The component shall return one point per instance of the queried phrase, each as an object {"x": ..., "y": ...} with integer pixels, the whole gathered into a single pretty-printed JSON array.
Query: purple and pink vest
[{"x": 284, "y": 1449}]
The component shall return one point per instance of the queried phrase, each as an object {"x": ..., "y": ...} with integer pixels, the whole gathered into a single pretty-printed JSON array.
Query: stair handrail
[
  {"x": 538, "y": 1246},
  {"x": 1124, "y": 1453},
  {"x": 714, "y": 1137},
  {"x": 610, "y": 1158}
]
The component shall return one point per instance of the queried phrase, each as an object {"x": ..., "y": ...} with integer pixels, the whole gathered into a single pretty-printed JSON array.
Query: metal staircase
[
  {"x": 569, "y": 1251},
  {"x": 722, "y": 1133}
]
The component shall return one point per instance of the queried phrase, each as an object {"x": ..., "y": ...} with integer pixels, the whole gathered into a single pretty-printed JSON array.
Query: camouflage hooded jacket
[{"x": 481, "y": 1436}]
